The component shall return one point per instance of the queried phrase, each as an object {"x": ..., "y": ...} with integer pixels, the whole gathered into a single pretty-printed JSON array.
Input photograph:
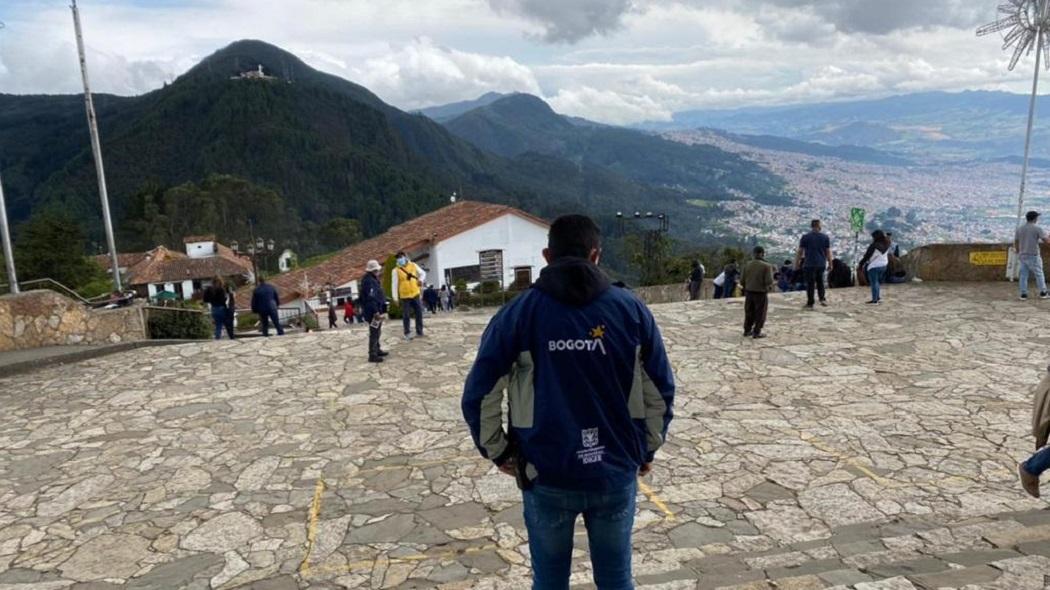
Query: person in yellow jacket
[{"x": 407, "y": 286}]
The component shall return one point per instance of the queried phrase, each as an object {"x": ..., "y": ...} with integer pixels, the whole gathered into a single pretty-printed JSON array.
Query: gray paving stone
[
  {"x": 844, "y": 577},
  {"x": 972, "y": 558},
  {"x": 957, "y": 578},
  {"x": 907, "y": 568},
  {"x": 697, "y": 535},
  {"x": 175, "y": 574}
]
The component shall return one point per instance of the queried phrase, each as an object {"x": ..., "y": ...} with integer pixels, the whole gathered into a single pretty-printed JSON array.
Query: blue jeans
[
  {"x": 550, "y": 517},
  {"x": 220, "y": 315},
  {"x": 271, "y": 316},
  {"x": 874, "y": 278},
  {"x": 412, "y": 308},
  {"x": 1039, "y": 462},
  {"x": 1032, "y": 263}
]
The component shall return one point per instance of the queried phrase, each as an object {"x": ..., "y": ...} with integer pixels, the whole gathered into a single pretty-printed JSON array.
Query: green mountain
[
  {"x": 522, "y": 123},
  {"x": 318, "y": 146}
]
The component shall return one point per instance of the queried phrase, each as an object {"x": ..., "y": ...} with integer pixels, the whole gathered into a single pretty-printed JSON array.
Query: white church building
[{"x": 468, "y": 241}]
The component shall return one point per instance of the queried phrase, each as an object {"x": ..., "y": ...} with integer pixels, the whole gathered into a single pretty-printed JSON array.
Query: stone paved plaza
[{"x": 854, "y": 448}]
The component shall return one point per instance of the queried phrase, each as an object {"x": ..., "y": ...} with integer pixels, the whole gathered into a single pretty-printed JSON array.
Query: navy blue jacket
[
  {"x": 373, "y": 299},
  {"x": 264, "y": 299},
  {"x": 589, "y": 384}
]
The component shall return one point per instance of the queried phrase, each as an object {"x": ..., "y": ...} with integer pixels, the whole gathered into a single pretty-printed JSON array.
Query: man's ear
[
  {"x": 596, "y": 255},
  {"x": 547, "y": 255}
]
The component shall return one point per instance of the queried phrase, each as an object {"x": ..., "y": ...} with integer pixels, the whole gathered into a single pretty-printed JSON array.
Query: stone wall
[
  {"x": 961, "y": 262},
  {"x": 44, "y": 318},
  {"x": 672, "y": 293}
]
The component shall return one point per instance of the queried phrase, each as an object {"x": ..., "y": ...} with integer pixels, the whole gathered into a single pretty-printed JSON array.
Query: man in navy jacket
[
  {"x": 373, "y": 304},
  {"x": 590, "y": 399}
]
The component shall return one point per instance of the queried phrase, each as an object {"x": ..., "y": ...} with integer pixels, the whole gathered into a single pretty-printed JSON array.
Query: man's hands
[
  {"x": 645, "y": 469},
  {"x": 510, "y": 467}
]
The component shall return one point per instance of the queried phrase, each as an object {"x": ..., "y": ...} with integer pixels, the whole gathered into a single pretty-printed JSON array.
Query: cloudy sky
[{"x": 617, "y": 61}]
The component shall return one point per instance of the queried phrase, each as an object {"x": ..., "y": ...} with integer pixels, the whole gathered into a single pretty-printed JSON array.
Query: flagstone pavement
[{"x": 856, "y": 447}]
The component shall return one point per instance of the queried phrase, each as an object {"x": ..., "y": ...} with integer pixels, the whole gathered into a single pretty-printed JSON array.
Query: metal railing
[{"x": 53, "y": 285}]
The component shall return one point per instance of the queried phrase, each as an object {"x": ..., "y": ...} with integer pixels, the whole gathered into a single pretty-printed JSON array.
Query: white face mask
[{"x": 402, "y": 261}]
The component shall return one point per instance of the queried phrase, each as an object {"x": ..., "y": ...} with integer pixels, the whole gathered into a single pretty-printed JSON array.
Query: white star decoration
[{"x": 1020, "y": 22}]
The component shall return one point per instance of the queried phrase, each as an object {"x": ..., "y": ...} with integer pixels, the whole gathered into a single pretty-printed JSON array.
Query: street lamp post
[
  {"x": 256, "y": 246},
  {"x": 5, "y": 236},
  {"x": 652, "y": 236}
]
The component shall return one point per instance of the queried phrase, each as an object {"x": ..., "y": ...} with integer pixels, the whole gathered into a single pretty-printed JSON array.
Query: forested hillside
[{"x": 317, "y": 147}]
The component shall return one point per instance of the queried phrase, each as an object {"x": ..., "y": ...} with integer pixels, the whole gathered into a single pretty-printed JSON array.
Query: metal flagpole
[
  {"x": 96, "y": 149},
  {"x": 5, "y": 237},
  {"x": 1031, "y": 120}
]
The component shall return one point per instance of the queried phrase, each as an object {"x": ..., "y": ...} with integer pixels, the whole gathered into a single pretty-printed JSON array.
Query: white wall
[
  {"x": 521, "y": 240},
  {"x": 200, "y": 249}
]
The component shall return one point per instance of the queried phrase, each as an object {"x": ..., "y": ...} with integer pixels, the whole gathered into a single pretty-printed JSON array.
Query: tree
[
  {"x": 339, "y": 233},
  {"x": 51, "y": 245}
]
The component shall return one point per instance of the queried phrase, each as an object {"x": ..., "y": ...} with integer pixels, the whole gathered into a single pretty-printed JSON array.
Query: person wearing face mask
[{"x": 406, "y": 284}]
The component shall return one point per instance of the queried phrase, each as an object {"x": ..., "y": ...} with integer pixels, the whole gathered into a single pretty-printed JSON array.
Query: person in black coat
[
  {"x": 265, "y": 303},
  {"x": 373, "y": 307}
]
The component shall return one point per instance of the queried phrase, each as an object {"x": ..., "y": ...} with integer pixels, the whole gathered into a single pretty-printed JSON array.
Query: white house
[{"x": 467, "y": 241}]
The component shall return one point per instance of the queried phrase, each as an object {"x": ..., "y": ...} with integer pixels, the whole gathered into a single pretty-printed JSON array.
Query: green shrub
[
  {"x": 487, "y": 287},
  {"x": 393, "y": 310},
  {"x": 181, "y": 321},
  {"x": 247, "y": 320},
  {"x": 310, "y": 323}
]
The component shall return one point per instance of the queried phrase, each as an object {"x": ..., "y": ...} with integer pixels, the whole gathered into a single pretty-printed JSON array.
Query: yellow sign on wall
[{"x": 988, "y": 258}]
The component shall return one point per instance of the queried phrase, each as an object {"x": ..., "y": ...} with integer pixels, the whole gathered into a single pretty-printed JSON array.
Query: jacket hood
[{"x": 575, "y": 281}]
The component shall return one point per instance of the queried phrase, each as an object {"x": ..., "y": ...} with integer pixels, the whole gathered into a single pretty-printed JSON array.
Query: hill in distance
[
  {"x": 519, "y": 124},
  {"x": 958, "y": 126}
]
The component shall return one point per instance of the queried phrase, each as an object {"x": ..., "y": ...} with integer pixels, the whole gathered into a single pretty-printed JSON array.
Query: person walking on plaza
[
  {"x": 1038, "y": 463},
  {"x": 875, "y": 261},
  {"x": 814, "y": 253},
  {"x": 373, "y": 308},
  {"x": 787, "y": 276},
  {"x": 348, "y": 311},
  {"x": 231, "y": 309},
  {"x": 215, "y": 296},
  {"x": 265, "y": 303},
  {"x": 696, "y": 280},
  {"x": 451, "y": 298},
  {"x": 757, "y": 282},
  {"x": 1026, "y": 243},
  {"x": 430, "y": 299},
  {"x": 332, "y": 317},
  {"x": 406, "y": 283},
  {"x": 443, "y": 298},
  {"x": 591, "y": 392}
]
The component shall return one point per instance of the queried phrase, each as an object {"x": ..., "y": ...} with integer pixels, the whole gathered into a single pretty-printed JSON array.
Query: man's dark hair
[
  {"x": 1031, "y": 215},
  {"x": 399, "y": 254},
  {"x": 696, "y": 264},
  {"x": 573, "y": 235},
  {"x": 878, "y": 235},
  {"x": 814, "y": 224},
  {"x": 759, "y": 251}
]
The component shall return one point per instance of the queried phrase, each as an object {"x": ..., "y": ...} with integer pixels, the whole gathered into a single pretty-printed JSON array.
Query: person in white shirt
[{"x": 875, "y": 261}]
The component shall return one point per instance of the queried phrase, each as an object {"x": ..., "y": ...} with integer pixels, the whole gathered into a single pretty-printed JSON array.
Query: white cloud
[
  {"x": 632, "y": 60},
  {"x": 420, "y": 74}
]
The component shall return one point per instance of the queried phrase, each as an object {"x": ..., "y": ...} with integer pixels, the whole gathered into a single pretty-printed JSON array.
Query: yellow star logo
[{"x": 598, "y": 332}]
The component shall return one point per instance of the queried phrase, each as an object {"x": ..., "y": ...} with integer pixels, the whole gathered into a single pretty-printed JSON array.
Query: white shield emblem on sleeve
[{"x": 590, "y": 438}]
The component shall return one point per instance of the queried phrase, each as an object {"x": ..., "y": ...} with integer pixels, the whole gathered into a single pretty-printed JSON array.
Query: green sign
[{"x": 856, "y": 219}]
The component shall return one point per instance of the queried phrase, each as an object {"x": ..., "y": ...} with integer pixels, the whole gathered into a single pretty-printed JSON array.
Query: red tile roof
[
  {"x": 162, "y": 265},
  {"x": 349, "y": 264},
  {"x": 127, "y": 260}
]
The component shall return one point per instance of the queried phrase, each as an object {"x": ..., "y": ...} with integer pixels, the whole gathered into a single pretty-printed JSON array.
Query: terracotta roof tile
[
  {"x": 162, "y": 265},
  {"x": 349, "y": 264}
]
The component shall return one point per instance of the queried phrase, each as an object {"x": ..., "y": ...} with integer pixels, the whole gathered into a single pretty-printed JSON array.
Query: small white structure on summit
[{"x": 257, "y": 74}]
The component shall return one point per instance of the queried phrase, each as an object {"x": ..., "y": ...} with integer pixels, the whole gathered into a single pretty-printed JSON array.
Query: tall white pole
[
  {"x": 5, "y": 238},
  {"x": 96, "y": 149},
  {"x": 1031, "y": 121}
]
